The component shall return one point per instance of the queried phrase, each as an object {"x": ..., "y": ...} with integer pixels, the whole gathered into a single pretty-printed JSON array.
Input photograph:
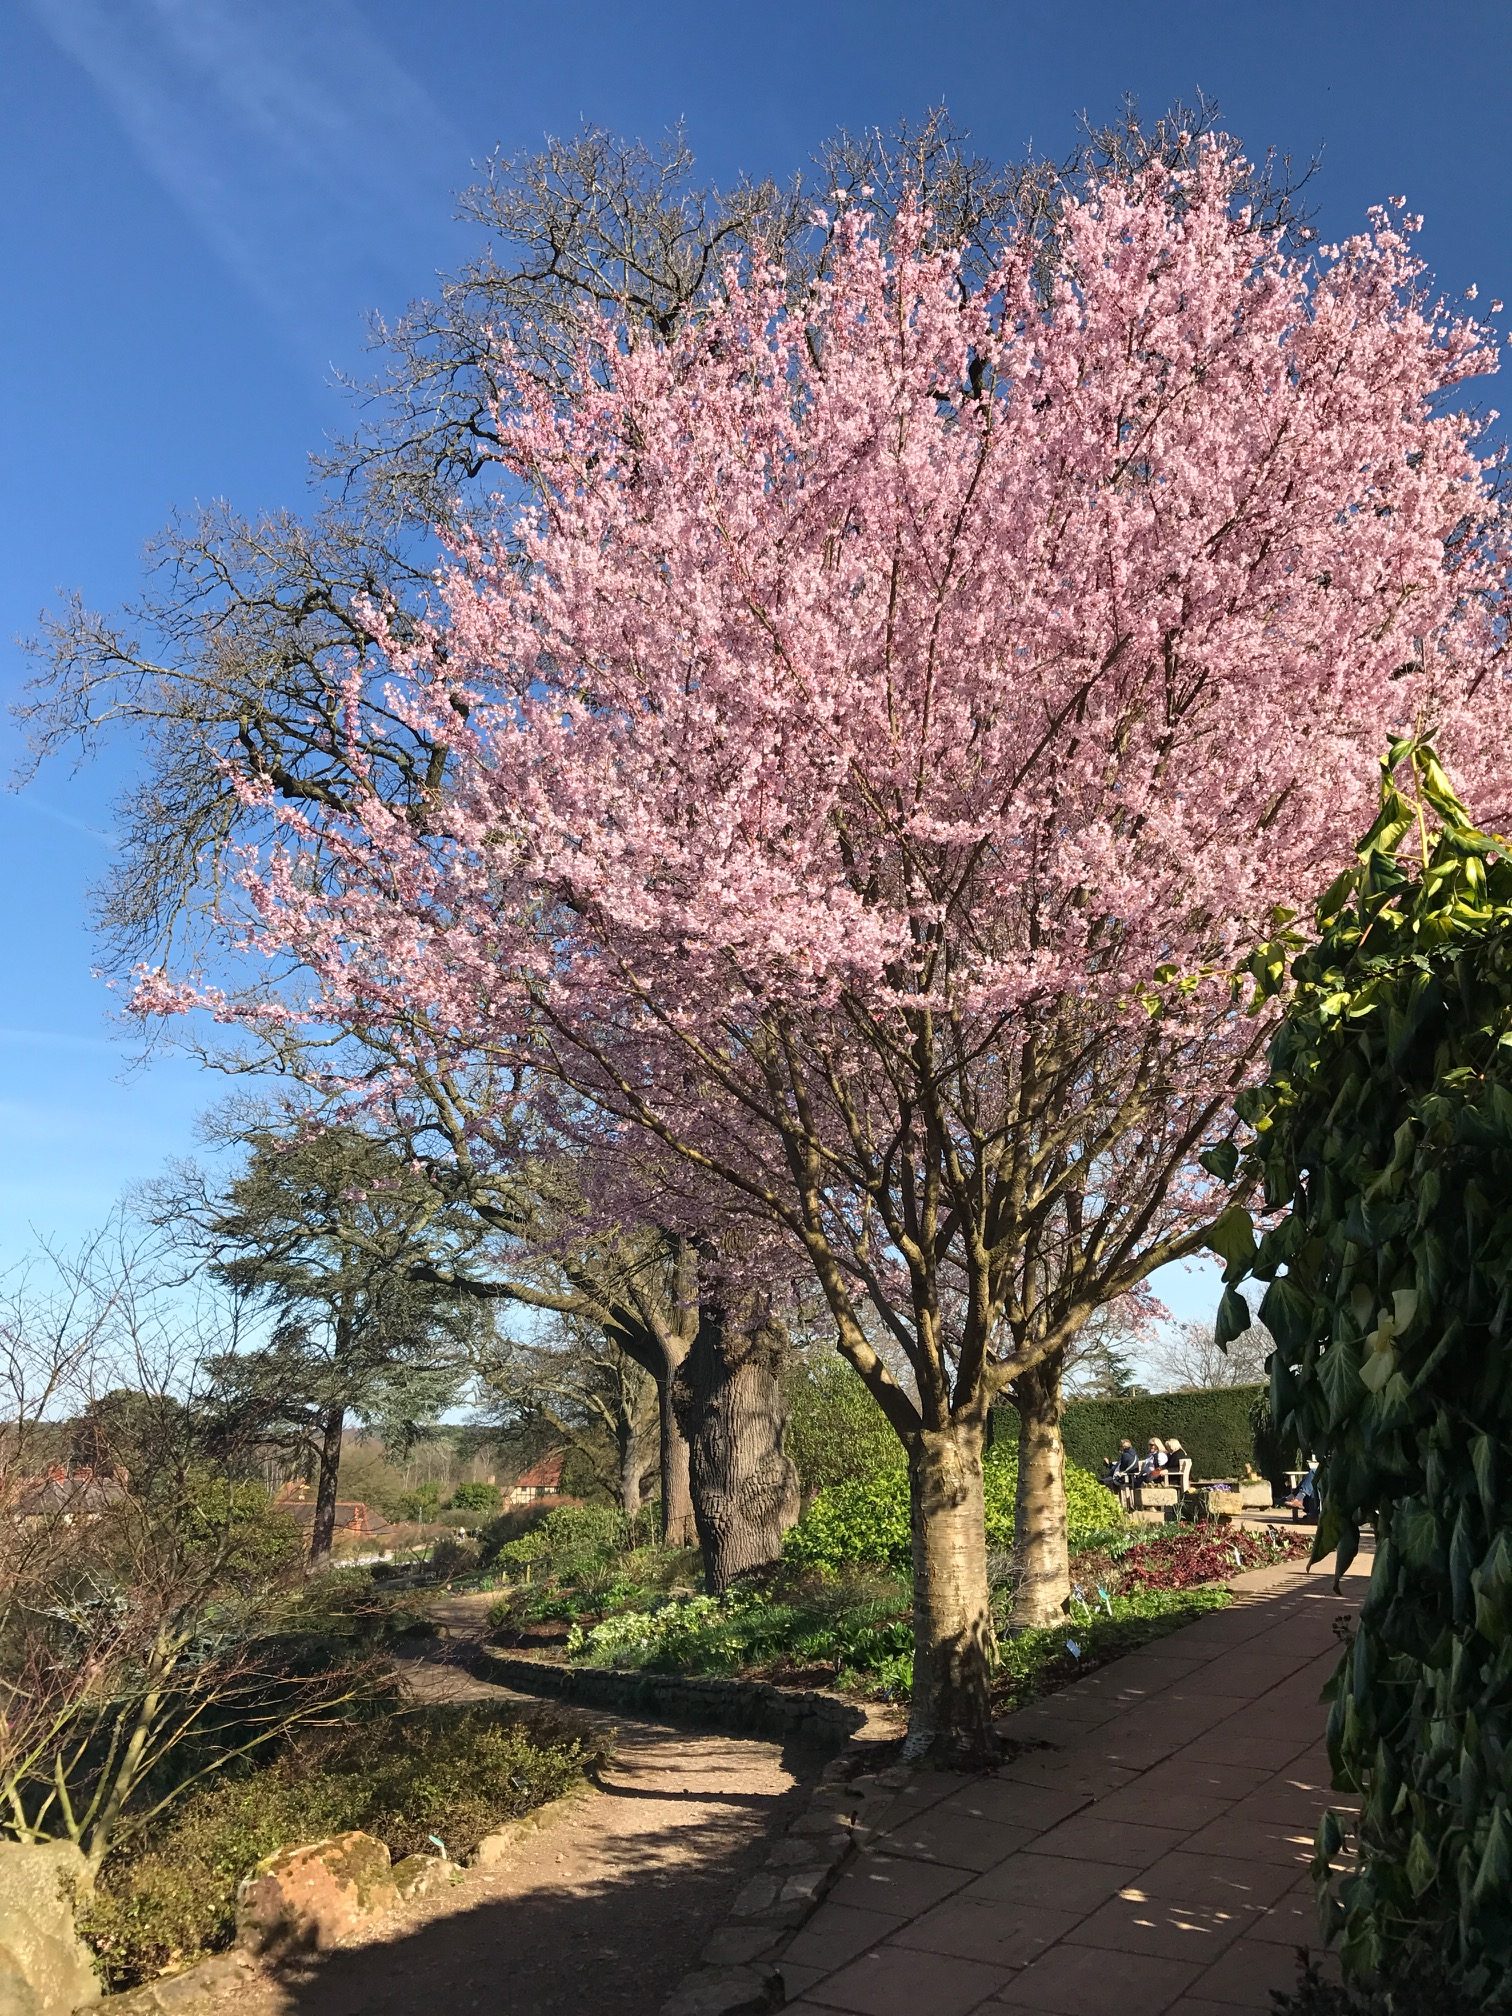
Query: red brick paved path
[{"x": 1150, "y": 1860}]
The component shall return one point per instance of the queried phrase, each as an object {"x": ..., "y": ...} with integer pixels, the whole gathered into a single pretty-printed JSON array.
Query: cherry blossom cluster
[{"x": 903, "y": 695}]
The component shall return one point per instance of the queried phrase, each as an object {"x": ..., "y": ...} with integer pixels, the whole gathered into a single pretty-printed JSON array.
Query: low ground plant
[
  {"x": 823, "y": 1628},
  {"x": 577, "y": 1565},
  {"x": 448, "y": 1774},
  {"x": 1188, "y": 1557},
  {"x": 850, "y": 1627},
  {"x": 477, "y": 1497}
]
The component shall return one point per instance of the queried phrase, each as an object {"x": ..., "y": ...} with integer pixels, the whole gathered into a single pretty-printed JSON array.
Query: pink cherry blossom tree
[{"x": 884, "y": 736}]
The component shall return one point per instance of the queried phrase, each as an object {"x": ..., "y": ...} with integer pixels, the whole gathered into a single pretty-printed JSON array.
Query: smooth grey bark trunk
[
  {"x": 323, "y": 1531},
  {"x": 950, "y": 1719},
  {"x": 630, "y": 1462},
  {"x": 678, "y": 1528},
  {"x": 730, "y": 1402},
  {"x": 1041, "y": 1554}
]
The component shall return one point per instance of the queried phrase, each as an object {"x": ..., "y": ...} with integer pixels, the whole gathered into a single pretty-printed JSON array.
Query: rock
[
  {"x": 756, "y": 1897},
  {"x": 197, "y": 1989},
  {"x": 493, "y": 1849},
  {"x": 45, "y": 1967},
  {"x": 17, "y": 1995},
  {"x": 805, "y": 1887},
  {"x": 305, "y": 1898},
  {"x": 188, "y": 1991},
  {"x": 417, "y": 1874},
  {"x": 727, "y": 1991},
  {"x": 737, "y": 1945},
  {"x": 822, "y": 1825}
]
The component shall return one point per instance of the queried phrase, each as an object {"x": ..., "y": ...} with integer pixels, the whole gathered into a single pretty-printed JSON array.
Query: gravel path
[{"x": 602, "y": 1910}]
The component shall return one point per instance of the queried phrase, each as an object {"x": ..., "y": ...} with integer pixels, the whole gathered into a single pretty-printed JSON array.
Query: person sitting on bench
[
  {"x": 1178, "y": 1464},
  {"x": 1124, "y": 1467},
  {"x": 1121, "y": 1472},
  {"x": 1152, "y": 1470},
  {"x": 1304, "y": 1504}
]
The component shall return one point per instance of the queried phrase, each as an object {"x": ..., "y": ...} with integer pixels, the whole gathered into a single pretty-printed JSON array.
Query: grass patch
[{"x": 452, "y": 1772}]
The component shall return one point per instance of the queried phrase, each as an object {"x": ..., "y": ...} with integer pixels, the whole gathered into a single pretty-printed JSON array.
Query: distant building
[
  {"x": 541, "y": 1480},
  {"x": 354, "y": 1519},
  {"x": 69, "y": 1495}
]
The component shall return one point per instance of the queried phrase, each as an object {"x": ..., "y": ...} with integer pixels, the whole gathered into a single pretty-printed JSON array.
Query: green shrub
[
  {"x": 451, "y": 1557},
  {"x": 836, "y": 1433},
  {"x": 452, "y": 1772},
  {"x": 419, "y": 1505},
  {"x": 1214, "y": 1427},
  {"x": 1275, "y": 1453},
  {"x": 867, "y": 1519},
  {"x": 1383, "y": 1133},
  {"x": 512, "y": 1525},
  {"x": 476, "y": 1497},
  {"x": 584, "y": 1532},
  {"x": 1421, "y": 1988}
]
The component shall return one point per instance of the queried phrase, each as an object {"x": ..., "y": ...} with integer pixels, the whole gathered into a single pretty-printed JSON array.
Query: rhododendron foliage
[{"x": 893, "y": 718}]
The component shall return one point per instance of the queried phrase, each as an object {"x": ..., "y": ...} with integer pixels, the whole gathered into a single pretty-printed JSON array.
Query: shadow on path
[{"x": 600, "y": 1913}]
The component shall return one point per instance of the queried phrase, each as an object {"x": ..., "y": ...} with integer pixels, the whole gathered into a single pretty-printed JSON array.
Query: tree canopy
[{"x": 889, "y": 722}]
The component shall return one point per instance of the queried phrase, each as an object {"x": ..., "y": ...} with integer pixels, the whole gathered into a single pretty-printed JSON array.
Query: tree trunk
[
  {"x": 950, "y": 1721},
  {"x": 1041, "y": 1557},
  {"x": 731, "y": 1406},
  {"x": 630, "y": 1462},
  {"x": 323, "y": 1532},
  {"x": 678, "y": 1529}
]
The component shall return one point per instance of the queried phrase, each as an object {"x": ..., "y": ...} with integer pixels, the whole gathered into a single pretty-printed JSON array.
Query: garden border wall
[{"x": 737, "y": 1707}]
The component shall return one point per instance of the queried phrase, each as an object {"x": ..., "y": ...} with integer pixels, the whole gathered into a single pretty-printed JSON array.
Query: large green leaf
[
  {"x": 1232, "y": 1237},
  {"x": 1381, "y": 1140},
  {"x": 1289, "y": 1313}
]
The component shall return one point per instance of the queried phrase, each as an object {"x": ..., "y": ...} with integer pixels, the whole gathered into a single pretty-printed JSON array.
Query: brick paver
[{"x": 1148, "y": 1855}]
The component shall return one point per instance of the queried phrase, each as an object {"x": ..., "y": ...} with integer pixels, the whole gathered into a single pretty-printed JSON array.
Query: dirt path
[{"x": 601, "y": 1910}]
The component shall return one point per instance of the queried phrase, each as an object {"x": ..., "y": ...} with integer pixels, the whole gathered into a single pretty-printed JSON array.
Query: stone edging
[
  {"x": 185, "y": 1993},
  {"x": 737, "y": 1974},
  {"x": 739, "y": 1707}
]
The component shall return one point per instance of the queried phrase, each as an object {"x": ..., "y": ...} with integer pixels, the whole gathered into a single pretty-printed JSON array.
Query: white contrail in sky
[
  {"x": 29, "y": 802},
  {"x": 54, "y": 1039},
  {"x": 311, "y": 163}
]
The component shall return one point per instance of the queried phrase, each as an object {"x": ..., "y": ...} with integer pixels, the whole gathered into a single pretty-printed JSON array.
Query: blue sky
[{"x": 202, "y": 199}]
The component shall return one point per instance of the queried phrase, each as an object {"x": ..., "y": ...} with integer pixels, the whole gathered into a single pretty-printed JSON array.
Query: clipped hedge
[
  {"x": 1215, "y": 1427},
  {"x": 867, "y": 1519}
]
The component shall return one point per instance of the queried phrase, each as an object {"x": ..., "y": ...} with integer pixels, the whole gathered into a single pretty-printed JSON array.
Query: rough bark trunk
[
  {"x": 678, "y": 1529},
  {"x": 1041, "y": 1557},
  {"x": 323, "y": 1531},
  {"x": 731, "y": 1406},
  {"x": 951, "y": 1716}
]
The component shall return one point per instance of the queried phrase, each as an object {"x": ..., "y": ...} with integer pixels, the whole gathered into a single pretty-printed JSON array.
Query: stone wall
[{"x": 738, "y": 1707}]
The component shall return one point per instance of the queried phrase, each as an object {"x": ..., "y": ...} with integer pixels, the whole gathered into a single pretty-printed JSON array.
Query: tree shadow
[{"x": 611, "y": 1942}]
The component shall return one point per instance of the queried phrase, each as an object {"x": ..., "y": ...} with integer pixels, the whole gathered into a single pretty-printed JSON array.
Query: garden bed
[
  {"x": 848, "y": 1630},
  {"x": 447, "y": 1774}
]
